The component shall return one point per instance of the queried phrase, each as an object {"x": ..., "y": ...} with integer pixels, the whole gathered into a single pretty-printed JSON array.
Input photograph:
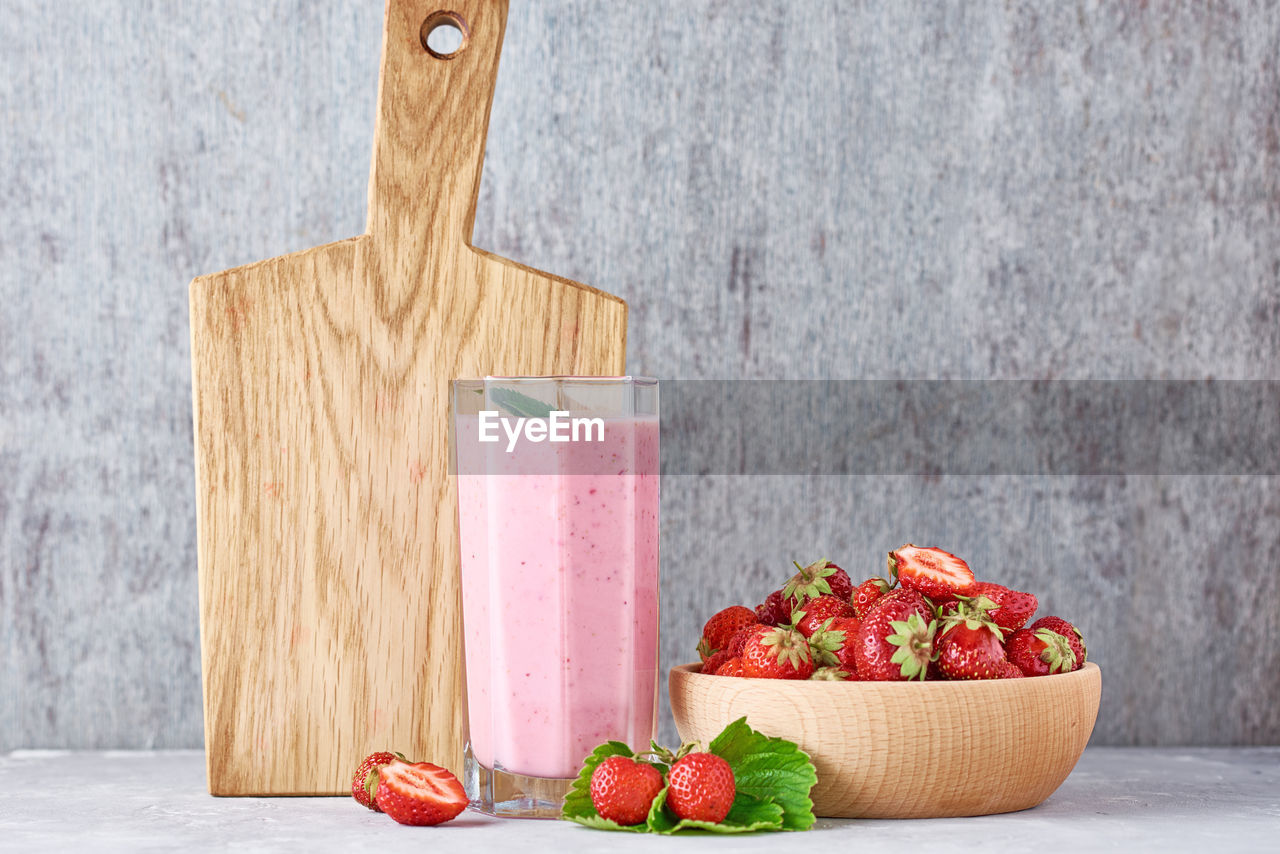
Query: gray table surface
[{"x": 1117, "y": 798}]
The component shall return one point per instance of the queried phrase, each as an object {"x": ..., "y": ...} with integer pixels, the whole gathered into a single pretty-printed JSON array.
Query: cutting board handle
[{"x": 433, "y": 114}]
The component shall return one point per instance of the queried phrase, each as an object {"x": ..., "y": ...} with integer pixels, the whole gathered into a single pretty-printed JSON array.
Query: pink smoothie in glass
[{"x": 560, "y": 597}]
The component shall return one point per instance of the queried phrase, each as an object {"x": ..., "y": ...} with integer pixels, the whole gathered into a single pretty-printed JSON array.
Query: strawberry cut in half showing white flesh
[
  {"x": 935, "y": 573},
  {"x": 419, "y": 793}
]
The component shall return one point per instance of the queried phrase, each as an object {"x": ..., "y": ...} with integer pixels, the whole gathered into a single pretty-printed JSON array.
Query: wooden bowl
[{"x": 909, "y": 749}]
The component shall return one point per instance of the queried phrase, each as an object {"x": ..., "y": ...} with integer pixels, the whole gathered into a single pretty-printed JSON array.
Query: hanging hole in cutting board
[{"x": 444, "y": 34}]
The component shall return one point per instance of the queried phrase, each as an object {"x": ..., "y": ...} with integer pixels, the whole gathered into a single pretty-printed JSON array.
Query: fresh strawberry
[
  {"x": 969, "y": 648},
  {"x": 834, "y": 642},
  {"x": 1039, "y": 652},
  {"x": 739, "y": 639},
  {"x": 419, "y": 793},
  {"x": 1009, "y": 670},
  {"x": 732, "y": 667},
  {"x": 819, "y": 610},
  {"x": 1068, "y": 631},
  {"x": 895, "y": 641},
  {"x": 774, "y": 611},
  {"x": 721, "y": 627},
  {"x": 364, "y": 785},
  {"x": 867, "y": 593},
  {"x": 700, "y": 787},
  {"x": 777, "y": 653},
  {"x": 712, "y": 664},
  {"x": 818, "y": 578},
  {"x": 1012, "y": 607},
  {"x": 932, "y": 571},
  {"x": 623, "y": 789},
  {"x": 830, "y": 673}
]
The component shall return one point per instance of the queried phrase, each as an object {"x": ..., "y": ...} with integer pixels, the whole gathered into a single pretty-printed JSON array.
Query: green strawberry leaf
[
  {"x": 577, "y": 803},
  {"x": 769, "y": 769},
  {"x": 748, "y": 814},
  {"x": 520, "y": 405}
]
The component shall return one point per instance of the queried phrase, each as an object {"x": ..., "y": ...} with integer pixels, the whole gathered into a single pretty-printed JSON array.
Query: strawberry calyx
[
  {"x": 664, "y": 755},
  {"x": 823, "y": 644},
  {"x": 829, "y": 674},
  {"x": 914, "y": 640},
  {"x": 787, "y": 646},
  {"x": 810, "y": 581},
  {"x": 1057, "y": 652},
  {"x": 972, "y": 613}
]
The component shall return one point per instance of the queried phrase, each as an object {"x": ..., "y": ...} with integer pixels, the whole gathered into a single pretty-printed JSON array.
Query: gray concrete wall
[{"x": 806, "y": 190}]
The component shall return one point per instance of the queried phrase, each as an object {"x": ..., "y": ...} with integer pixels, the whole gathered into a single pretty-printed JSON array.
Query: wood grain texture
[
  {"x": 327, "y": 541},
  {"x": 909, "y": 749}
]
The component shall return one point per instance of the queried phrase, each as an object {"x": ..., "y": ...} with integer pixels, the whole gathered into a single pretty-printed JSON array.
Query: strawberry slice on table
[
  {"x": 1012, "y": 607},
  {"x": 364, "y": 785},
  {"x": 895, "y": 641},
  {"x": 419, "y": 793},
  {"x": 933, "y": 572},
  {"x": 722, "y": 626}
]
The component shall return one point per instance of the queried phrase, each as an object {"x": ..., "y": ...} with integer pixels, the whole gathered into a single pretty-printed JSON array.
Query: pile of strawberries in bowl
[{"x": 932, "y": 619}]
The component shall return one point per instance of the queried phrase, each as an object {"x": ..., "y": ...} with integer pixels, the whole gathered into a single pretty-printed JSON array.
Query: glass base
[{"x": 496, "y": 791}]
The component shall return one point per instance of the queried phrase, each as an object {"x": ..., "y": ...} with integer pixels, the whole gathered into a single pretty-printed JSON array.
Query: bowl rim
[{"x": 1088, "y": 671}]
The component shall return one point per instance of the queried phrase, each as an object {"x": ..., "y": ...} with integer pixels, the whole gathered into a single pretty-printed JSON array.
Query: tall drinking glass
[{"x": 557, "y": 481}]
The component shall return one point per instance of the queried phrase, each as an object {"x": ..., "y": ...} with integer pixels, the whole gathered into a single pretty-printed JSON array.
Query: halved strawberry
[
  {"x": 419, "y": 793},
  {"x": 932, "y": 571}
]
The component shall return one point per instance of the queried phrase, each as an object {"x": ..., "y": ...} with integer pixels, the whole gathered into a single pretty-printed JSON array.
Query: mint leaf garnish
[
  {"x": 520, "y": 405},
  {"x": 770, "y": 769}
]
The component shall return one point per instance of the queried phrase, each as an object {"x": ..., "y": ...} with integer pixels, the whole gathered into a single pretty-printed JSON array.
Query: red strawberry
[
  {"x": 1012, "y": 607},
  {"x": 1009, "y": 670},
  {"x": 739, "y": 639},
  {"x": 833, "y": 644},
  {"x": 818, "y": 578},
  {"x": 732, "y": 667},
  {"x": 895, "y": 641},
  {"x": 623, "y": 789},
  {"x": 830, "y": 674},
  {"x": 1039, "y": 652},
  {"x": 721, "y": 627},
  {"x": 774, "y": 611},
  {"x": 819, "y": 610},
  {"x": 867, "y": 593},
  {"x": 712, "y": 664},
  {"x": 700, "y": 787},
  {"x": 932, "y": 571},
  {"x": 419, "y": 793},
  {"x": 777, "y": 653},
  {"x": 970, "y": 649},
  {"x": 364, "y": 785},
  {"x": 1068, "y": 631}
]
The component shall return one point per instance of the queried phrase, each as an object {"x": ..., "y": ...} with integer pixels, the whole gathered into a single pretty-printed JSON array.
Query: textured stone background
[{"x": 804, "y": 190}]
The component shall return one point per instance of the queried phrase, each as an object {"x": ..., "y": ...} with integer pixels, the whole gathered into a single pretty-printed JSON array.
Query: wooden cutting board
[{"x": 327, "y": 538}]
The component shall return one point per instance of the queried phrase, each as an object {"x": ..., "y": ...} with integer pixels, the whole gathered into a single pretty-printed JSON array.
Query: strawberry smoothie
[{"x": 559, "y": 546}]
